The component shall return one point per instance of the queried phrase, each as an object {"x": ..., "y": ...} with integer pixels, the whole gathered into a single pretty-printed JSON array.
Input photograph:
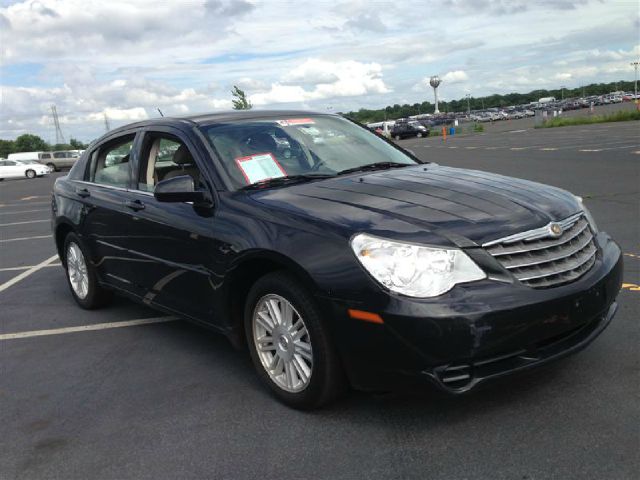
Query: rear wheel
[
  {"x": 397, "y": 137},
  {"x": 289, "y": 343},
  {"x": 52, "y": 167},
  {"x": 30, "y": 174},
  {"x": 81, "y": 276}
]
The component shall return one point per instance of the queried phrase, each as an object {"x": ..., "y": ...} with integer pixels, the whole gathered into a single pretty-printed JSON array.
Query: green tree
[
  {"x": 6, "y": 147},
  {"x": 240, "y": 102},
  {"x": 61, "y": 146},
  {"x": 77, "y": 144},
  {"x": 29, "y": 143}
]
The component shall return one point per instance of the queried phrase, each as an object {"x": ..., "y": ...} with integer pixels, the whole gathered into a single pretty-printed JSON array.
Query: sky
[{"x": 126, "y": 59}]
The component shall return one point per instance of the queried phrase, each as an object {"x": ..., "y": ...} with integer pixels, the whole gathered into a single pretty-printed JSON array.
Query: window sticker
[
  {"x": 261, "y": 166},
  {"x": 295, "y": 121}
]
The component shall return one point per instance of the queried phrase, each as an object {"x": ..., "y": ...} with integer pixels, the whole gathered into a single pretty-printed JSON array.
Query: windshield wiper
[
  {"x": 277, "y": 181},
  {"x": 373, "y": 166}
]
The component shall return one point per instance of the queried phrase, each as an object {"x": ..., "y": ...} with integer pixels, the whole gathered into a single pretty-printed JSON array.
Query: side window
[
  {"x": 59, "y": 155},
  {"x": 110, "y": 163},
  {"x": 165, "y": 156},
  {"x": 45, "y": 156}
]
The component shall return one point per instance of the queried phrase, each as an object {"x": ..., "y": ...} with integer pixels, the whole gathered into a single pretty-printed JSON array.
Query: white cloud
[
  {"x": 456, "y": 76},
  {"x": 252, "y": 84},
  {"x": 129, "y": 114},
  {"x": 328, "y": 79}
]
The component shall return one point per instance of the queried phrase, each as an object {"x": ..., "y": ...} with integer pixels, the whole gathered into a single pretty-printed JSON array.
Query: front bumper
[{"x": 476, "y": 332}]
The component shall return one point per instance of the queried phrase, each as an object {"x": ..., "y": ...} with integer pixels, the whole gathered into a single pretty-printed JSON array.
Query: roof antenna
[{"x": 161, "y": 114}]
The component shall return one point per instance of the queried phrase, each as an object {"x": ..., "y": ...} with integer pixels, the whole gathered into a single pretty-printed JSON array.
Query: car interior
[
  {"x": 165, "y": 157},
  {"x": 239, "y": 143}
]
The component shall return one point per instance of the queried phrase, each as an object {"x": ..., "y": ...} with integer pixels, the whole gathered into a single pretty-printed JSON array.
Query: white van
[{"x": 54, "y": 160}]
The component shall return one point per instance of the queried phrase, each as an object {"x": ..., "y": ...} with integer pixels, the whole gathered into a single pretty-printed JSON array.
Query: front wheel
[
  {"x": 397, "y": 137},
  {"x": 289, "y": 343},
  {"x": 82, "y": 277},
  {"x": 419, "y": 135},
  {"x": 30, "y": 174}
]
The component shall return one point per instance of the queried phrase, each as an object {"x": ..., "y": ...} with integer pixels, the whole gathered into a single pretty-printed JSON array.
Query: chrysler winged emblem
[{"x": 555, "y": 229}]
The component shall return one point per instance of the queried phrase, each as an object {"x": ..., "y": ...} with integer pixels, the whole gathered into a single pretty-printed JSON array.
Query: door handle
[
  {"x": 134, "y": 205},
  {"x": 83, "y": 192}
]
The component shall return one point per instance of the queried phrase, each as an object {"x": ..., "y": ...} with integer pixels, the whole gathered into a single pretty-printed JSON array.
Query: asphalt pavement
[{"x": 171, "y": 400}]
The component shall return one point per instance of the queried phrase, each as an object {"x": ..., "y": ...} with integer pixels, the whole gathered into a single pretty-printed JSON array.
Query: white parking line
[
  {"x": 23, "y": 223},
  {"x": 621, "y": 147},
  {"x": 26, "y": 267},
  {"x": 20, "y": 239},
  {"x": 24, "y": 211},
  {"x": 26, "y": 273},
  {"x": 86, "y": 328},
  {"x": 23, "y": 204}
]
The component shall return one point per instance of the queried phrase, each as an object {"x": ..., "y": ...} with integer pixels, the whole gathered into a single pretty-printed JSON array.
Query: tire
[
  {"x": 325, "y": 379},
  {"x": 52, "y": 167},
  {"x": 93, "y": 295},
  {"x": 30, "y": 174},
  {"x": 397, "y": 137},
  {"x": 419, "y": 135}
]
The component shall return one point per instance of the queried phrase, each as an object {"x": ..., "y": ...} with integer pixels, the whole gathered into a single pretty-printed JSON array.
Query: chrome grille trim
[
  {"x": 544, "y": 243},
  {"x": 540, "y": 259},
  {"x": 536, "y": 233},
  {"x": 583, "y": 239}
]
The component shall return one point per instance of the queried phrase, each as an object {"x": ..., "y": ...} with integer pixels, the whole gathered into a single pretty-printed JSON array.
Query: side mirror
[{"x": 179, "y": 189}]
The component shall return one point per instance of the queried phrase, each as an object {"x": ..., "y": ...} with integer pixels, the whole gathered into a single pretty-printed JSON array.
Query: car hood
[{"x": 426, "y": 203}]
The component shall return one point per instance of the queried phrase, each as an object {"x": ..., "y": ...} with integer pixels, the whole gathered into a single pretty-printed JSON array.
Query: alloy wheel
[
  {"x": 283, "y": 343},
  {"x": 77, "y": 271}
]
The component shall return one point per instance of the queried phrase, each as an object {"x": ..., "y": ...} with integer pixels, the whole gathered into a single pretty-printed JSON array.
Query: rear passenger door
[
  {"x": 174, "y": 239},
  {"x": 104, "y": 197}
]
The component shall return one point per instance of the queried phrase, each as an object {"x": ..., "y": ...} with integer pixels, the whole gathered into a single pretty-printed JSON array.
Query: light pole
[
  {"x": 468, "y": 104},
  {"x": 562, "y": 92},
  {"x": 435, "y": 82},
  {"x": 635, "y": 83}
]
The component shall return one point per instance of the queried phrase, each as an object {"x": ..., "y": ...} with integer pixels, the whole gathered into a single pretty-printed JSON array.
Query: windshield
[{"x": 256, "y": 150}]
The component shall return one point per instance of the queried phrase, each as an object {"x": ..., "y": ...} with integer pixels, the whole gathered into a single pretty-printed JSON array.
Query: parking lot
[{"x": 161, "y": 398}]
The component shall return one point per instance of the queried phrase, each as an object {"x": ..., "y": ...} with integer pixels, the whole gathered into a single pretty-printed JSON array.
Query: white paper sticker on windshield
[{"x": 261, "y": 166}]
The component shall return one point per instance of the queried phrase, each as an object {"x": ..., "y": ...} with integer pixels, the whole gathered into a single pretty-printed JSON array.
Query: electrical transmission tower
[
  {"x": 106, "y": 122},
  {"x": 56, "y": 122}
]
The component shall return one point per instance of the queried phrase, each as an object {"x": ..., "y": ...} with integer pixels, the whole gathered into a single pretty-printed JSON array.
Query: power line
[{"x": 56, "y": 122}]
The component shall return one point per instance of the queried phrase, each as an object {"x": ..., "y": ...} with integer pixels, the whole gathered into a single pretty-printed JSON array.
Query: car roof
[{"x": 220, "y": 117}]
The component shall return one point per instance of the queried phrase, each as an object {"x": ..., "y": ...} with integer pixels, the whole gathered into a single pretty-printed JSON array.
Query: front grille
[{"x": 540, "y": 259}]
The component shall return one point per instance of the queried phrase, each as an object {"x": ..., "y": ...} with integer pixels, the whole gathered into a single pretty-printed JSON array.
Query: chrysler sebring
[{"x": 334, "y": 256}]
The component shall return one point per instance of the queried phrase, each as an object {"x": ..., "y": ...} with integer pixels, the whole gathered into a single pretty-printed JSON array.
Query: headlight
[
  {"x": 414, "y": 270},
  {"x": 587, "y": 215}
]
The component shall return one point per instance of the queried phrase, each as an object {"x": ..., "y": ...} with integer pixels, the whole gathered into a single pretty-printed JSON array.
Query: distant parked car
[
  {"x": 54, "y": 160},
  {"x": 17, "y": 169},
  {"x": 34, "y": 162},
  {"x": 408, "y": 129}
]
